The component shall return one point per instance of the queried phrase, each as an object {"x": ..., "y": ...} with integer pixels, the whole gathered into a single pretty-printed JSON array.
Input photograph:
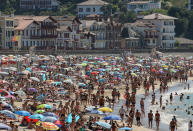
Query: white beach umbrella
[
  {"x": 4, "y": 73},
  {"x": 35, "y": 79}
]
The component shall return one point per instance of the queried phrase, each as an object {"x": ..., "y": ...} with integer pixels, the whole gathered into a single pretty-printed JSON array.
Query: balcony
[
  {"x": 35, "y": 37},
  {"x": 151, "y": 36},
  {"x": 48, "y": 26},
  {"x": 49, "y": 36},
  {"x": 76, "y": 39}
]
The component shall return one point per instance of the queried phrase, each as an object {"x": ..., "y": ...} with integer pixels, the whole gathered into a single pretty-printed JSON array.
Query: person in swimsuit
[
  {"x": 157, "y": 119},
  {"x": 150, "y": 118},
  {"x": 138, "y": 116},
  {"x": 173, "y": 125}
]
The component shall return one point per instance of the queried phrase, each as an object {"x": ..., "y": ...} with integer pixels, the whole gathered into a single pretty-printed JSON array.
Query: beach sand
[{"x": 108, "y": 93}]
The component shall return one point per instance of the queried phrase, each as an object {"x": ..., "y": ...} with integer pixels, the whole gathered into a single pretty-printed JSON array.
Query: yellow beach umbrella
[
  {"x": 84, "y": 64},
  {"x": 165, "y": 66},
  {"x": 105, "y": 109}
]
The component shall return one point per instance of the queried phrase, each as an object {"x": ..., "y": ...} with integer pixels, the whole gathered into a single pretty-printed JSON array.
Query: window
[
  {"x": 80, "y": 9},
  {"x": 26, "y": 32},
  {"x": 87, "y": 9},
  {"x": 11, "y": 23},
  {"x": 153, "y": 41},
  {"x": 94, "y": 9},
  {"x": 7, "y": 23}
]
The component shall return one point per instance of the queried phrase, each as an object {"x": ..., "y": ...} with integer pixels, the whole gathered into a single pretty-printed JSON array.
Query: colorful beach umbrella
[
  {"x": 42, "y": 106},
  {"x": 112, "y": 117},
  {"x": 104, "y": 124},
  {"x": 51, "y": 114},
  {"x": 49, "y": 126},
  {"x": 126, "y": 128},
  {"x": 22, "y": 113},
  {"x": 9, "y": 114},
  {"x": 36, "y": 116},
  {"x": 105, "y": 109},
  {"x": 39, "y": 111},
  {"x": 49, "y": 119},
  {"x": 58, "y": 123}
]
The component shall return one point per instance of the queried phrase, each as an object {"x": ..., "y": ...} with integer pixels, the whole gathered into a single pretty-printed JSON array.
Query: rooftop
[
  {"x": 184, "y": 40},
  {"x": 25, "y": 21},
  {"x": 138, "y": 2},
  {"x": 93, "y": 2},
  {"x": 157, "y": 16}
]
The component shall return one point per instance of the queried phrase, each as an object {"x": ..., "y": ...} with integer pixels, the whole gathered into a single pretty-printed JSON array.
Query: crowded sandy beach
[{"x": 96, "y": 93}]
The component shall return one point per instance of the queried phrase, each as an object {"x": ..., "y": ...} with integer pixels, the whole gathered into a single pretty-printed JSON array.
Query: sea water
[
  {"x": 183, "y": 110},
  {"x": 166, "y": 115}
]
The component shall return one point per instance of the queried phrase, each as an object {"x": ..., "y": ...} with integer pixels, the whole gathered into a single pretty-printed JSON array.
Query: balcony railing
[
  {"x": 49, "y": 36},
  {"x": 48, "y": 26},
  {"x": 151, "y": 36},
  {"x": 35, "y": 36}
]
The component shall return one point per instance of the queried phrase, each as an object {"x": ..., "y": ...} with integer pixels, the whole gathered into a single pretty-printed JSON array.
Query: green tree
[
  {"x": 129, "y": 16},
  {"x": 125, "y": 33}
]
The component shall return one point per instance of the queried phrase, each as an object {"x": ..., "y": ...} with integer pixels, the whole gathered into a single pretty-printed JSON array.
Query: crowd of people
[{"x": 79, "y": 93}]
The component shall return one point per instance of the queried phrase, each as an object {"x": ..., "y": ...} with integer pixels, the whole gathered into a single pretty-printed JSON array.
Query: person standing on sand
[
  {"x": 122, "y": 113},
  {"x": 150, "y": 118},
  {"x": 138, "y": 116},
  {"x": 142, "y": 107},
  {"x": 173, "y": 125},
  {"x": 157, "y": 119}
]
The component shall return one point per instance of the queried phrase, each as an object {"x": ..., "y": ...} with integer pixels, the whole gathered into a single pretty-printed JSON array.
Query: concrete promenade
[{"x": 71, "y": 52}]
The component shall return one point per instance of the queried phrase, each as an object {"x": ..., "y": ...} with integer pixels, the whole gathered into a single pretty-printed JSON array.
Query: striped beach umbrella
[{"x": 49, "y": 126}]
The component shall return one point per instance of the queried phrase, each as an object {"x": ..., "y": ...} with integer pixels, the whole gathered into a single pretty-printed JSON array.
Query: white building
[
  {"x": 68, "y": 32},
  {"x": 37, "y": 31},
  {"x": 97, "y": 28},
  {"x": 139, "y": 6},
  {"x": 149, "y": 33},
  {"x": 190, "y": 4},
  {"x": 6, "y": 31},
  {"x": 90, "y": 7},
  {"x": 166, "y": 29}
]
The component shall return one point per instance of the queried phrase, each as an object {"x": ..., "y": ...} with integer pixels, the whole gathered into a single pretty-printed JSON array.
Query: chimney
[{"x": 156, "y": 15}]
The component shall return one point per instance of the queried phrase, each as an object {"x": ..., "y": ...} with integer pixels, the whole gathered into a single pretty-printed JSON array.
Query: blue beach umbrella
[
  {"x": 112, "y": 117},
  {"x": 104, "y": 124},
  {"x": 51, "y": 114},
  {"x": 126, "y": 128},
  {"x": 29, "y": 69},
  {"x": 8, "y": 113},
  {"x": 101, "y": 69},
  {"x": 36, "y": 116},
  {"x": 22, "y": 113},
  {"x": 49, "y": 119},
  {"x": 69, "y": 118}
]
